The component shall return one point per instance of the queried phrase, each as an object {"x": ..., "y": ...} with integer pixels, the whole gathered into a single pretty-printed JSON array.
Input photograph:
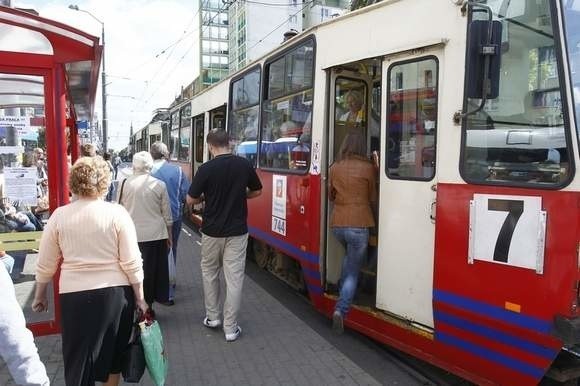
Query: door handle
[{"x": 433, "y": 211}]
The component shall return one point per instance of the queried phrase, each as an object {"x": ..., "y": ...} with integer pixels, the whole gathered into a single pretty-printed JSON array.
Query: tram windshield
[
  {"x": 520, "y": 136},
  {"x": 572, "y": 30}
]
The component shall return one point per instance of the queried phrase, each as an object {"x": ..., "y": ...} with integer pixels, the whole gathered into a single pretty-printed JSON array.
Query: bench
[{"x": 19, "y": 241}]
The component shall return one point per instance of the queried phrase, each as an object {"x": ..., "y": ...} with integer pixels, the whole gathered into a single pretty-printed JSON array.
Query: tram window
[
  {"x": 185, "y": 133},
  {"x": 521, "y": 137},
  {"x": 572, "y": 27},
  {"x": 412, "y": 119},
  {"x": 198, "y": 126},
  {"x": 174, "y": 135},
  {"x": 375, "y": 117},
  {"x": 291, "y": 72},
  {"x": 349, "y": 107},
  {"x": 286, "y": 112},
  {"x": 276, "y": 78},
  {"x": 243, "y": 122}
]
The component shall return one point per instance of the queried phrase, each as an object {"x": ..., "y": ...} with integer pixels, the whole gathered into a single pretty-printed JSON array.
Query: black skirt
[
  {"x": 96, "y": 327},
  {"x": 156, "y": 270}
]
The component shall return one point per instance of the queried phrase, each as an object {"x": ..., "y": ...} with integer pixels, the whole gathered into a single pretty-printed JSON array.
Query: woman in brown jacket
[{"x": 351, "y": 186}]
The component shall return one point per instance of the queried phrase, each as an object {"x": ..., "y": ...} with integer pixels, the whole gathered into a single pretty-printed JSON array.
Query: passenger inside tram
[{"x": 355, "y": 114}]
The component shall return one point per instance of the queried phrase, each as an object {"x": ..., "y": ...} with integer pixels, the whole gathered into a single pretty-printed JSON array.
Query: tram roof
[{"x": 31, "y": 41}]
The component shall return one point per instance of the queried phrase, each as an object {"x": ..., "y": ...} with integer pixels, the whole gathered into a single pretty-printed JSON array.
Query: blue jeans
[
  {"x": 355, "y": 241},
  {"x": 19, "y": 260}
]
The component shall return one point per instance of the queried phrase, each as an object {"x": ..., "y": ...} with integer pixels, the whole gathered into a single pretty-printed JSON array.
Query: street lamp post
[{"x": 103, "y": 75}]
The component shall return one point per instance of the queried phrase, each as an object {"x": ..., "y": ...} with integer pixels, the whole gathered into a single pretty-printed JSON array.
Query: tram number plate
[{"x": 279, "y": 225}]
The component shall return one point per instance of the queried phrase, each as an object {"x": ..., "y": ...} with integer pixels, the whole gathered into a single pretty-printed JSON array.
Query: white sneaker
[
  {"x": 211, "y": 323},
  {"x": 234, "y": 335}
]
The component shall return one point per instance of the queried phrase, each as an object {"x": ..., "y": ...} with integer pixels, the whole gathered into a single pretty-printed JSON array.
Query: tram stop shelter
[{"x": 48, "y": 80}]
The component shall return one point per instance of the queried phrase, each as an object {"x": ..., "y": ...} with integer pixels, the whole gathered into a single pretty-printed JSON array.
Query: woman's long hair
[{"x": 354, "y": 144}]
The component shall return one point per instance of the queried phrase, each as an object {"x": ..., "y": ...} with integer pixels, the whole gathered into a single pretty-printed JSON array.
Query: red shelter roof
[{"x": 30, "y": 41}]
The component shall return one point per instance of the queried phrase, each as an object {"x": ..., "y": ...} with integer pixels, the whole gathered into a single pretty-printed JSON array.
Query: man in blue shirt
[{"x": 177, "y": 186}]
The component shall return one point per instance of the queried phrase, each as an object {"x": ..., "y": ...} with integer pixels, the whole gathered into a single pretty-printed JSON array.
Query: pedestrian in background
[
  {"x": 146, "y": 200},
  {"x": 88, "y": 150},
  {"x": 17, "y": 346},
  {"x": 177, "y": 186},
  {"x": 116, "y": 163},
  {"x": 111, "y": 191},
  {"x": 352, "y": 188},
  {"x": 224, "y": 183},
  {"x": 101, "y": 276}
]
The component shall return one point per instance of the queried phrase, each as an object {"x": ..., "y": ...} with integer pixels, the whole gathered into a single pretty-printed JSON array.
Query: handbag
[
  {"x": 155, "y": 355},
  {"x": 171, "y": 267},
  {"x": 121, "y": 192},
  {"x": 133, "y": 362}
]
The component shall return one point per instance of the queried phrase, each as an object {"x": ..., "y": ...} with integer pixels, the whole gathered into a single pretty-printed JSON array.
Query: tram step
[{"x": 566, "y": 367}]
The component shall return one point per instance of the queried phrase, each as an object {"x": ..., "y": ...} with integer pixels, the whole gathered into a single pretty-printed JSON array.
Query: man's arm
[
  {"x": 193, "y": 200},
  {"x": 253, "y": 193}
]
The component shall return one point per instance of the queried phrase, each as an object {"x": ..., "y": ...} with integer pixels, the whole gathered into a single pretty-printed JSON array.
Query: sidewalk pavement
[{"x": 275, "y": 348}]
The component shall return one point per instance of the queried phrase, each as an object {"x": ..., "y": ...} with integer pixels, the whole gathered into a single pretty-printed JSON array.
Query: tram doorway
[{"x": 354, "y": 107}]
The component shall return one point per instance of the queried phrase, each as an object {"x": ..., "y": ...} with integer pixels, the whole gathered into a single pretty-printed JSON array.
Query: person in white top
[
  {"x": 16, "y": 342},
  {"x": 145, "y": 198}
]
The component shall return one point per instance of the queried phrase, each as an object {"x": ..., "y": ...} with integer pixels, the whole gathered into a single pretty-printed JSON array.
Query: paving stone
[{"x": 276, "y": 347}]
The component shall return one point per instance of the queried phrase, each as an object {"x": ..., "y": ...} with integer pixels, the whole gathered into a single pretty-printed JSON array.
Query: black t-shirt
[{"x": 223, "y": 182}]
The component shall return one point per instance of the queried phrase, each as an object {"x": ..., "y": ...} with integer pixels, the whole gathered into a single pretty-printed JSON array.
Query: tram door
[
  {"x": 198, "y": 142},
  {"x": 408, "y": 178},
  {"x": 355, "y": 105}
]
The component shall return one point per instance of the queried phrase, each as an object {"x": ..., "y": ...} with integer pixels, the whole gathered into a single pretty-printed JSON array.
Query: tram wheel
[{"x": 261, "y": 253}]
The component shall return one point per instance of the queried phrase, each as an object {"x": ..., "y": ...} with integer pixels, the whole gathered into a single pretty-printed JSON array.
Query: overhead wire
[
  {"x": 271, "y": 4},
  {"x": 164, "y": 50},
  {"x": 306, "y": 4},
  {"x": 209, "y": 22}
]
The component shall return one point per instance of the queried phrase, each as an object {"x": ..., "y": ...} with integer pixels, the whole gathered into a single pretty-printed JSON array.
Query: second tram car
[{"x": 475, "y": 262}]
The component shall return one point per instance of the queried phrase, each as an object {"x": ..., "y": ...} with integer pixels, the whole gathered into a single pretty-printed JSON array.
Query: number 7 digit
[{"x": 504, "y": 239}]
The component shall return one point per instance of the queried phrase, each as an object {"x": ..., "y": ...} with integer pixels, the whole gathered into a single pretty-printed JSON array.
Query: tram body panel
[{"x": 496, "y": 309}]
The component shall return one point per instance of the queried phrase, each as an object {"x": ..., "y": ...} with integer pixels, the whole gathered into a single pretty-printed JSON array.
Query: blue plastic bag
[{"x": 155, "y": 355}]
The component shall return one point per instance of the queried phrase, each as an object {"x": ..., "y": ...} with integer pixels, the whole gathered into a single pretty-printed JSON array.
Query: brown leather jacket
[{"x": 352, "y": 188}]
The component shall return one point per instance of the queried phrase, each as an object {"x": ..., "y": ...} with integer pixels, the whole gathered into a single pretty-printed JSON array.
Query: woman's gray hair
[
  {"x": 159, "y": 150},
  {"x": 142, "y": 162}
]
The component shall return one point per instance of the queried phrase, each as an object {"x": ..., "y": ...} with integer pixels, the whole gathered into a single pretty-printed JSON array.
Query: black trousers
[
  {"x": 156, "y": 270},
  {"x": 96, "y": 327}
]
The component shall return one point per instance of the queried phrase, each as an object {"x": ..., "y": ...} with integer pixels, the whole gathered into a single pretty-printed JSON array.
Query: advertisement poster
[
  {"x": 20, "y": 184},
  {"x": 279, "y": 204}
]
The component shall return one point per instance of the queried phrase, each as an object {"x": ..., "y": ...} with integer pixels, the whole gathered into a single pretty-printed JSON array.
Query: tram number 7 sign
[{"x": 508, "y": 230}]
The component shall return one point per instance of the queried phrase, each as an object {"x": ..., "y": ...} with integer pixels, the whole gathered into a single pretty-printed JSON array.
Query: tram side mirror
[{"x": 477, "y": 51}]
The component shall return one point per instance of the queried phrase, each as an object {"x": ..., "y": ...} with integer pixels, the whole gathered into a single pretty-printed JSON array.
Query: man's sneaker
[
  {"x": 211, "y": 323},
  {"x": 234, "y": 335},
  {"x": 337, "y": 322}
]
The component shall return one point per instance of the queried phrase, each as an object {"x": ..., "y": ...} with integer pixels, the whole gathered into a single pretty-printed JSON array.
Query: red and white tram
[{"x": 473, "y": 108}]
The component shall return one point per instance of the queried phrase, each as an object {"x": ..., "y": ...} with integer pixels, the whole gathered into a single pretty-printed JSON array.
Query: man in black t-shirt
[{"x": 224, "y": 183}]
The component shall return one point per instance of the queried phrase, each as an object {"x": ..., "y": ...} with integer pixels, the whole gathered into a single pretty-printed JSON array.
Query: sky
[{"x": 151, "y": 51}]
